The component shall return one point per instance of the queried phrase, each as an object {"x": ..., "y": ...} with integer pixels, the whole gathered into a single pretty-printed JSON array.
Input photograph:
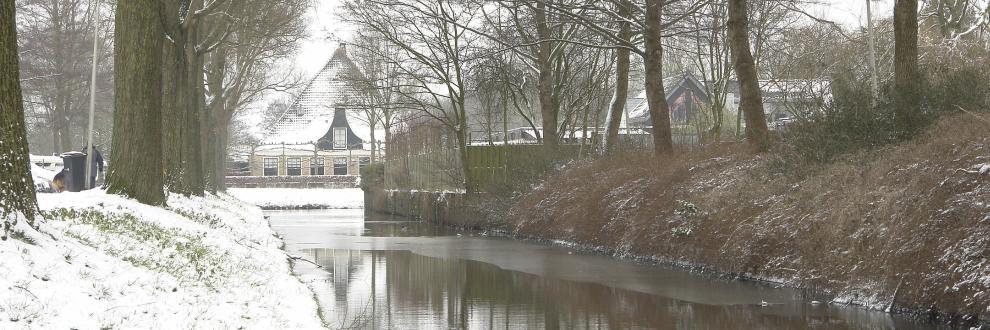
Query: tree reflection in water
[{"x": 404, "y": 290}]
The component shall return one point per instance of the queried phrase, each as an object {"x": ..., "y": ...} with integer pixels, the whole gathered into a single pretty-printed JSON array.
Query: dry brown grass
[{"x": 857, "y": 227}]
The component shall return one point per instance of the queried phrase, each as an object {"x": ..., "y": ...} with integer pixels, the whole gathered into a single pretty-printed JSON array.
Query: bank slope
[
  {"x": 907, "y": 226},
  {"x": 103, "y": 261}
]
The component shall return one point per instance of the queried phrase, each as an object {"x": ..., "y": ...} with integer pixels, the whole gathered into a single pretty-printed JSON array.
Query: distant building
[
  {"x": 686, "y": 97},
  {"x": 786, "y": 99},
  {"x": 324, "y": 132},
  {"x": 783, "y": 100}
]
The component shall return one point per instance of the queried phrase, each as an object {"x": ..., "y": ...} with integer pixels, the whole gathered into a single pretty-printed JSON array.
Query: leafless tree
[
  {"x": 434, "y": 57},
  {"x": 378, "y": 81},
  {"x": 750, "y": 95},
  {"x": 56, "y": 38},
  {"x": 242, "y": 68}
]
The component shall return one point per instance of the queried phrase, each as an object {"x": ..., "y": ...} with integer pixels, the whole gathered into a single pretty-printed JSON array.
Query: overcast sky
[{"x": 325, "y": 30}]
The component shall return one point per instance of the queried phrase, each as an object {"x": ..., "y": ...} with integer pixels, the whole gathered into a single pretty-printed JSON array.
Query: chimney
[{"x": 341, "y": 50}]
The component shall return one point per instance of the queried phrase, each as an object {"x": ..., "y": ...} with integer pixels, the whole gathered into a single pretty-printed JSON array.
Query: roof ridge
[{"x": 323, "y": 91}]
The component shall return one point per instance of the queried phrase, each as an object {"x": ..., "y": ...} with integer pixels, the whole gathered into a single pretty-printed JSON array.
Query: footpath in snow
[
  {"x": 291, "y": 198},
  {"x": 103, "y": 261}
]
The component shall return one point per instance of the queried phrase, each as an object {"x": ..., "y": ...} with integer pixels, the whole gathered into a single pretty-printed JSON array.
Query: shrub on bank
[{"x": 953, "y": 83}]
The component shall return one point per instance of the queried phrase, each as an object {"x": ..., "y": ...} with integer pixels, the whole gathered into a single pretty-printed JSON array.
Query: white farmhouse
[{"x": 324, "y": 132}]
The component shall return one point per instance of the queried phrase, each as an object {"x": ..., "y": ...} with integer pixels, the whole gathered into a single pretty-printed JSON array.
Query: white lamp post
[{"x": 92, "y": 95}]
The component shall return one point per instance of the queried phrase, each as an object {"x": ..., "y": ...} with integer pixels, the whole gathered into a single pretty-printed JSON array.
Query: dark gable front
[
  {"x": 340, "y": 120},
  {"x": 684, "y": 99}
]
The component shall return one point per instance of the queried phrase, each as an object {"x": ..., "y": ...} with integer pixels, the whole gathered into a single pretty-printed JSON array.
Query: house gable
[
  {"x": 312, "y": 115},
  {"x": 352, "y": 141},
  {"x": 685, "y": 97}
]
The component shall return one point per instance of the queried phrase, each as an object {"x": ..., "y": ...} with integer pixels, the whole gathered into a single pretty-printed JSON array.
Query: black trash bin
[{"x": 75, "y": 171}]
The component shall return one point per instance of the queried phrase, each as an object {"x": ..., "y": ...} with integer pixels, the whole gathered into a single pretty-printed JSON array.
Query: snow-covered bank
[
  {"x": 103, "y": 261},
  {"x": 290, "y": 198}
]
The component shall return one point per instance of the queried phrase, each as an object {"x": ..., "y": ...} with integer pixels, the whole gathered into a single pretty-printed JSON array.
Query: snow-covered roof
[
  {"x": 310, "y": 116},
  {"x": 293, "y": 147},
  {"x": 817, "y": 87}
]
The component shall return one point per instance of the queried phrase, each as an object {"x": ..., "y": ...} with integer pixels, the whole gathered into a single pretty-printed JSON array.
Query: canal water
[{"x": 381, "y": 272}]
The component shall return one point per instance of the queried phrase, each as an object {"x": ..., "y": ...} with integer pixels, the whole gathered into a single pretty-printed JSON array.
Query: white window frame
[
  {"x": 318, "y": 162},
  {"x": 293, "y": 163},
  {"x": 340, "y": 142},
  {"x": 340, "y": 161},
  {"x": 265, "y": 167}
]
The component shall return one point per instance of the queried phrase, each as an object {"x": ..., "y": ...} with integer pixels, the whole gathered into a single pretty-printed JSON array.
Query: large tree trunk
[
  {"x": 182, "y": 156},
  {"x": 545, "y": 84},
  {"x": 656, "y": 96},
  {"x": 173, "y": 103},
  {"x": 136, "y": 167},
  {"x": 16, "y": 188},
  {"x": 618, "y": 104},
  {"x": 191, "y": 140},
  {"x": 906, "y": 91},
  {"x": 750, "y": 96}
]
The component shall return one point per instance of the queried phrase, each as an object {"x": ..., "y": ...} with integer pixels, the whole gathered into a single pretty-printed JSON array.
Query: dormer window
[{"x": 340, "y": 137}]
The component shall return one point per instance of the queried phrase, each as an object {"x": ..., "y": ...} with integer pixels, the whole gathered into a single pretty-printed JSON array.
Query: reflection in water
[
  {"x": 400, "y": 289},
  {"x": 377, "y": 275}
]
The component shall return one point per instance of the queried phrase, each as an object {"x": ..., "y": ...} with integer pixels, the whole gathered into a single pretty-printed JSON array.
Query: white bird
[{"x": 764, "y": 303}]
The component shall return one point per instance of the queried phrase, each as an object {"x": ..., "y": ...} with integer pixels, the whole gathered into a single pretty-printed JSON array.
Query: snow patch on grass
[
  {"x": 103, "y": 261},
  {"x": 298, "y": 198}
]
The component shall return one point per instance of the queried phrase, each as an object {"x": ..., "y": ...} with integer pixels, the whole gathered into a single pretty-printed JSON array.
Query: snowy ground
[
  {"x": 103, "y": 261},
  {"x": 288, "y": 198}
]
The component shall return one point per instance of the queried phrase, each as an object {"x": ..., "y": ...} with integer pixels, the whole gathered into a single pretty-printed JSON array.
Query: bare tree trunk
[
  {"x": 16, "y": 188},
  {"x": 503, "y": 92},
  {"x": 545, "y": 84},
  {"x": 210, "y": 138},
  {"x": 210, "y": 132},
  {"x": 60, "y": 107},
  {"x": 750, "y": 96},
  {"x": 872, "y": 44},
  {"x": 220, "y": 156},
  {"x": 465, "y": 164},
  {"x": 173, "y": 104},
  {"x": 618, "y": 104},
  {"x": 907, "y": 100},
  {"x": 136, "y": 167},
  {"x": 372, "y": 122},
  {"x": 180, "y": 120},
  {"x": 656, "y": 96}
]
